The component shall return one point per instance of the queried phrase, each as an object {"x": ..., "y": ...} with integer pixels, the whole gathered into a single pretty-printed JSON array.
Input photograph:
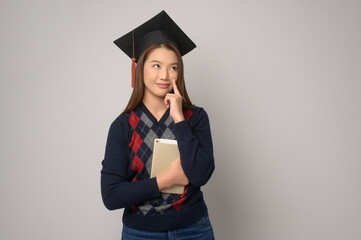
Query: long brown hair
[{"x": 138, "y": 90}]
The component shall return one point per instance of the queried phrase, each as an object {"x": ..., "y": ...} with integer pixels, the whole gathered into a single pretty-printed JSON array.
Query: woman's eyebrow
[{"x": 156, "y": 61}]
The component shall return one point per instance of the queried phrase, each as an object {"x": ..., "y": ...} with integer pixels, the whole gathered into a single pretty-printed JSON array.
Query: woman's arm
[
  {"x": 195, "y": 146},
  {"x": 196, "y": 149},
  {"x": 117, "y": 192},
  {"x": 173, "y": 176}
]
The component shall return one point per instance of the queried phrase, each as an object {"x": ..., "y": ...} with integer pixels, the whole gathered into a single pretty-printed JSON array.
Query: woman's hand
[
  {"x": 174, "y": 101},
  {"x": 173, "y": 176}
]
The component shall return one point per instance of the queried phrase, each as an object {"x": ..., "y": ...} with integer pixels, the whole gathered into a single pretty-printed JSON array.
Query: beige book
[{"x": 165, "y": 151}]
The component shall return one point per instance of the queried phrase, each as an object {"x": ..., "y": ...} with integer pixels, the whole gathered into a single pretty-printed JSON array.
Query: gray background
[{"x": 280, "y": 81}]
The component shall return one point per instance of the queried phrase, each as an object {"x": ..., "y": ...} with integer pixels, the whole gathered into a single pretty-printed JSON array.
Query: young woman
[{"x": 158, "y": 108}]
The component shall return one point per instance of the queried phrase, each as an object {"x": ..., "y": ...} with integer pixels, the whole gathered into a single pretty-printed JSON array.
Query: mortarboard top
[{"x": 159, "y": 29}]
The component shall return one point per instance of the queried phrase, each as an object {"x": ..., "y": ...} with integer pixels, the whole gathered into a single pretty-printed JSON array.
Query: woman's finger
[
  {"x": 175, "y": 88},
  {"x": 166, "y": 100}
]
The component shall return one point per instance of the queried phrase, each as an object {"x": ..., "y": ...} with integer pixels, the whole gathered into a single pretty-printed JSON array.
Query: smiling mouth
[{"x": 163, "y": 85}]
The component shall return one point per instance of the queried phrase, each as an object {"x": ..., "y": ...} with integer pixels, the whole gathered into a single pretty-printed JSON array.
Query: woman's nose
[{"x": 164, "y": 74}]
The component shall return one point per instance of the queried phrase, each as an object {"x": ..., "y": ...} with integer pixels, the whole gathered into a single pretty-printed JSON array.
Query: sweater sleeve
[
  {"x": 117, "y": 191},
  {"x": 196, "y": 149}
]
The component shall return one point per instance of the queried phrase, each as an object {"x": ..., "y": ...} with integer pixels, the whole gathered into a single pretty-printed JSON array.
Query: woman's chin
[
  {"x": 163, "y": 92},
  {"x": 159, "y": 93}
]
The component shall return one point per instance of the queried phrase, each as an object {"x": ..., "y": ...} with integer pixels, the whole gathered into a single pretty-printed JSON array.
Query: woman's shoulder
[
  {"x": 121, "y": 121},
  {"x": 123, "y": 117},
  {"x": 195, "y": 113},
  {"x": 198, "y": 109}
]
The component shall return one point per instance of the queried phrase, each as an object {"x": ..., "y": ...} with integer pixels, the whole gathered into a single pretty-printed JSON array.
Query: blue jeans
[{"x": 201, "y": 230}]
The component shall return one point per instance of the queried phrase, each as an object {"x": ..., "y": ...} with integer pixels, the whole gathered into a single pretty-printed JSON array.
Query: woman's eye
[
  {"x": 173, "y": 68},
  {"x": 156, "y": 66}
]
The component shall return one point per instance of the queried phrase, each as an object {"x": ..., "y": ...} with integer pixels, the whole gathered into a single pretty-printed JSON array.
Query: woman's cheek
[{"x": 174, "y": 76}]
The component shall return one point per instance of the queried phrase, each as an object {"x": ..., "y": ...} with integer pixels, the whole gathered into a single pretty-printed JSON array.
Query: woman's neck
[{"x": 155, "y": 105}]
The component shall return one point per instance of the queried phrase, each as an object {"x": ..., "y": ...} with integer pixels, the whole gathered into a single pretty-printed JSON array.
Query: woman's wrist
[
  {"x": 163, "y": 182},
  {"x": 178, "y": 119}
]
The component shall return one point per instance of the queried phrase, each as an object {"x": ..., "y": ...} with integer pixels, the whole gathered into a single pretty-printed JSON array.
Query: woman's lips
[{"x": 162, "y": 85}]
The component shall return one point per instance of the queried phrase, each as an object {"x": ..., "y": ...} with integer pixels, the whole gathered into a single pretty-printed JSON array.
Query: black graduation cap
[{"x": 159, "y": 29}]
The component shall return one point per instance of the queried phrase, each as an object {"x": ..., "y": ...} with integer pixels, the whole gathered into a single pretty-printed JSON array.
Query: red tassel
[
  {"x": 133, "y": 72},
  {"x": 133, "y": 62}
]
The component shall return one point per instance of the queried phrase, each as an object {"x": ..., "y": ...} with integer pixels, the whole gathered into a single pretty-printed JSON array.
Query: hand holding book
[
  {"x": 167, "y": 168},
  {"x": 174, "y": 175}
]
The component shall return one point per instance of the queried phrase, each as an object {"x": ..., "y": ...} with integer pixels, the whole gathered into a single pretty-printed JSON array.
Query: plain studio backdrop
[{"x": 280, "y": 80}]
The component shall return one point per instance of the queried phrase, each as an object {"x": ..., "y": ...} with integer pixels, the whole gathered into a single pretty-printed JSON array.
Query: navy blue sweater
[{"x": 125, "y": 174}]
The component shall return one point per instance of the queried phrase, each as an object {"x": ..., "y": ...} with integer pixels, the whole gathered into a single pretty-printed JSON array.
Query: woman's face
[{"x": 160, "y": 68}]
